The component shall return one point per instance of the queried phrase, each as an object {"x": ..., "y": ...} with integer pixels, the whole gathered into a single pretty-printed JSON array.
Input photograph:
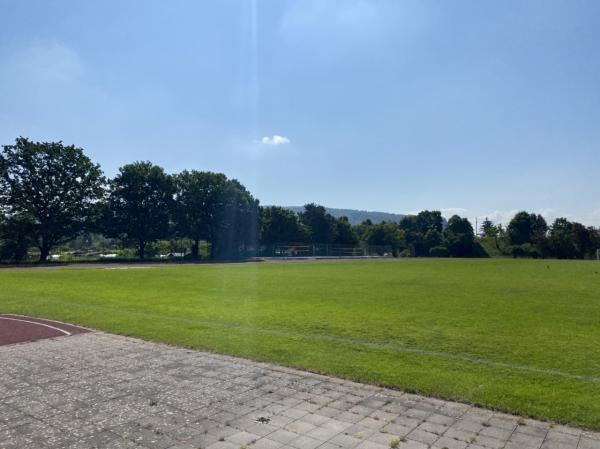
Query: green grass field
[{"x": 521, "y": 336}]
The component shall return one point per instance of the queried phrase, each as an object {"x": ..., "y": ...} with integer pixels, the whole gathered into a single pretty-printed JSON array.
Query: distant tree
[
  {"x": 386, "y": 234},
  {"x": 344, "y": 232},
  {"x": 561, "y": 239},
  {"x": 459, "y": 237},
  {"x": 571, "y": 240},
  {"x": 527, "y": 228},
  {"x": 583, "y": 238},
  {"x": 493, "y": 242},
  {"x": 56, "y": 187},
  {"x": 487, "y": 228},
  {"x": 140, "y": 205},
  {"x": 595, "y": 240},
  {"x": 279, "y": 225},
  {"x": 321, "y": 225},
  {"x": 423, "y": 231}
]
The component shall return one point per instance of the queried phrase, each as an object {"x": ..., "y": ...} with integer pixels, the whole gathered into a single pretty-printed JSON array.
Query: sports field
[{"x": 521, "y": 336}]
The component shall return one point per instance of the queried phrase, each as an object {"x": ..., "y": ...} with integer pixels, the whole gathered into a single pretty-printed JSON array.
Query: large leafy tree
[
  {"x": 279, "y": 225},
  {"x": 237, "y": 228},
  {"x": 53, "y": 187},
  {"x": 201, "y": 198},
  {"x": 208, "y": 206},
  {"x": 139, "y": 205}
]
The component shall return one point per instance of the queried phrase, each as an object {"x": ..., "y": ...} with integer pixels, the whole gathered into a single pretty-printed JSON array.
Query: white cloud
[
  {"x": 500, "y": 216},
  {"x": 449, "y": 211},
  {"x": 504, "y": 216},
  {"x": 275, "y": 140},
  {"x": 591, "y": 219}
]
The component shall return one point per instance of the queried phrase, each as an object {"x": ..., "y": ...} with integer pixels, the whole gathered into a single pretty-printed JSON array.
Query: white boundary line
[
  {"x": 39, "y": 324},
  {"x": 43, "y": 319}
]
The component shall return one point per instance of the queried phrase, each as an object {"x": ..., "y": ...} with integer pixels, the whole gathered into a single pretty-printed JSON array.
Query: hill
[{"x": 355, "y": 216}]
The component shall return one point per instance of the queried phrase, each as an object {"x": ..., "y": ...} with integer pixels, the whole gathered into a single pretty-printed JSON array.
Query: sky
[{"x": 469, "y": 107}]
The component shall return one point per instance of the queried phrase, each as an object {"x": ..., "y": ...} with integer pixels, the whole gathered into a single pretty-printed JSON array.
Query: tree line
[
  {"x": 51, "y": 194},
  {"x": 529, "y": 235}
]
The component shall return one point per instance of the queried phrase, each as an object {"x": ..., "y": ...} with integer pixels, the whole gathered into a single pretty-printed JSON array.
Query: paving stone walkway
[{"x": 103, "y": 391}]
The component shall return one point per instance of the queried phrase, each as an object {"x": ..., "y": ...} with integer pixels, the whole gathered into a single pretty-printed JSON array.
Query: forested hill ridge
[{"x": 355, "y": 216}]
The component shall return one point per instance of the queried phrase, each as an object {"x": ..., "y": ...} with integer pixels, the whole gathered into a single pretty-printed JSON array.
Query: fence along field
[{"x": 522, "y": 336}]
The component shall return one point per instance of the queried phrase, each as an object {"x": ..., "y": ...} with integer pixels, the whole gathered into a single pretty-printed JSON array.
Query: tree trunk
[
  {"x": 195, "y": 248},
  {"x": 44, "y": 253},
  {"x": 44, "y": 250}
]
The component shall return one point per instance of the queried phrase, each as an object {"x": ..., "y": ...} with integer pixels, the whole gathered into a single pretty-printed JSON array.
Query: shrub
[
  {"x": 439, "y": 251},
  {"x": 405, "y": 253}
]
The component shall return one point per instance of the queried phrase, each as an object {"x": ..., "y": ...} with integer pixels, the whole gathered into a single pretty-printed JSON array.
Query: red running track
[{"x": 18, "y": 329}]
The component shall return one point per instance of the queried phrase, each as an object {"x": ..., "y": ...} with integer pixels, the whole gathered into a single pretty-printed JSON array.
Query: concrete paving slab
[{"x": 96, "y": 390}]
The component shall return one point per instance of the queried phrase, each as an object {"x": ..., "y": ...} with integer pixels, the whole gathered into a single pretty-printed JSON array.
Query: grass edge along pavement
[{"x": 461, "y": 330}]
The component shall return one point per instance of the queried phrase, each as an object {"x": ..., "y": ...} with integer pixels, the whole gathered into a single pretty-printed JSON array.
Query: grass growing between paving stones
[{"x": 521, "y": 336}]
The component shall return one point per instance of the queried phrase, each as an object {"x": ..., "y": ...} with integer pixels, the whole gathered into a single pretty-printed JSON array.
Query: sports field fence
[{"x": 289, "y": 250}]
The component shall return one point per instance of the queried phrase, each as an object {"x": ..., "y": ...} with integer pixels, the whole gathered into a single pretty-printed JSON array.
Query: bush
[
  {"x": 479, "y": 251},
  {"x": 439, "y": 251},
  {"x": 405, "y": 253},
  {"x": 525, "y": 250}
]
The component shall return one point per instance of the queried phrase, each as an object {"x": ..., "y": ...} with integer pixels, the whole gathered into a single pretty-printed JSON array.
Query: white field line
[
  {"x": 15, "y": 315},
  {"x": 349, "y": 341},
  {"x": 34, "y": 322}
]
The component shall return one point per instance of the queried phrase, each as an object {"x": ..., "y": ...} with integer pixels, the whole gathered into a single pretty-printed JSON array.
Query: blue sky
[{"x": 480, "y": 108}]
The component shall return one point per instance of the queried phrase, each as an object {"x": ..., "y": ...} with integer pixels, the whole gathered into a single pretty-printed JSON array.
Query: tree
[
  {"x": 594, "y": 240},
  {"x": 238, "y": 225},
  {"x": 321, "y": 225},
  {"x": 56, "y": 187},
  {"x": 279, "y": 225},
  {"x": 15, "y": 237},
  {"x": 459, "y": 237},
  {"x": 571, "y": 240},
  {"x": 487, "y": 228},
  {"x": 561, "y": 240},
  {"x": 583, "y": 238},
  {"x": 385, "y": 234},
  {"x": 423, "y": 231},
  {"x": 527, "y": 228},
  {"x": 140, "y": 205},
  {"x": 208, "y": 206},
  {"x": 344, "y": 233},
  {"x": 200, "y": 199}
]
